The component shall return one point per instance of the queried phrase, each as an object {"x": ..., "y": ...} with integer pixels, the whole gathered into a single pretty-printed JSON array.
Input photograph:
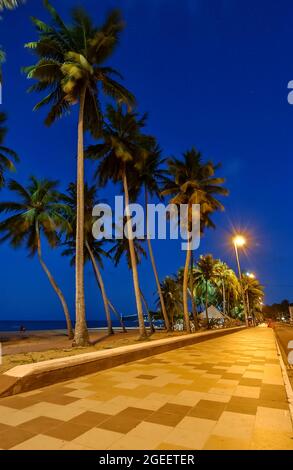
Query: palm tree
[
  {"x": 227, "y": 284},
  {"x": 120, "y": 154},
  {"x": 36, "y": 211},
  {"x": 172, "y": 295},
  {"x": 10, "y": 4},
  {"x": 191, "y": 291},
  {"x": 120, "y": 249},
  {"x": 93, "y": 249},
  {"x": 221, "y": 277},
  {"x": 206, "y": 266},
  {"x": 70, "y": 65},
  {"x": 7, "y": 156},
  {"x": 254, "y": 293},
  {"x": 193, "y": 181},
  {"x": 149, "y": 176}
]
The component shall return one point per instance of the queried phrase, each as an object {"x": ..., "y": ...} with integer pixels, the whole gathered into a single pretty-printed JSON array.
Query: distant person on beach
[{"x": 22, "y": 329}]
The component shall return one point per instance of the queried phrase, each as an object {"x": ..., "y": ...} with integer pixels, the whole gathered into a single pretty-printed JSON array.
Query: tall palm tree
[
  {"x": 228, "y": 285},
  {"x": 93, "y": 249},
  {"x": 36, "y": 211},
  {"x": 193, "y": 181},
  {"x": 191, "y": 291},
  {"x": 10, "y": 4},
  {"x": 206, "y": 270},
  {"x": 221, "y": 278},
  {"x": 7, "y": 156},
  {"x": 149, "y": 177},
  {"x": 121, "y": 248},
  {"x": 254, "y": 293},
  {"x": 172, "y": 294},
  {"x": 70, "y": 65},
  {"x": 124, "y": 146}
]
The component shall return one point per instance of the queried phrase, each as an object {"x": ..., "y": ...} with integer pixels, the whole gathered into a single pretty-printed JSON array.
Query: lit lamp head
[
  {"x": 239, "y": 240},
  {"x": 251, "y": 275}
]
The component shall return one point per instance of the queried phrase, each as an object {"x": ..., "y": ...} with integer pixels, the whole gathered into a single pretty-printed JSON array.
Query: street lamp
[
  {"x": 238, "y": 242},
  {"x": 251, "y": 275}
]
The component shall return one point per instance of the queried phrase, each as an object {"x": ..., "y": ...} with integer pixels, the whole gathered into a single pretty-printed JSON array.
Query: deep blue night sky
[{"x": 211, "y": 73}]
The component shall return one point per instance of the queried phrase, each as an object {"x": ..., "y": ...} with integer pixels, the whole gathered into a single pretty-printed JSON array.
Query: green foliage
[
  {"x": 35, "y": 209},
  {"x": 192, "y": 181},
  {"x": 70, "y": 60},
  {"x": 7, "y": 156}
]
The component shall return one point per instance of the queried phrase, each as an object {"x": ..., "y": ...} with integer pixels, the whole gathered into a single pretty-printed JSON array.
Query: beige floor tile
[
  {"x": 190, "y": 440},
  {"x": 262, "y": 439},
  {"x": 253, "y": 375},
  {"x": 187, "y": 398},
  {"x": 246, "y": 391},
  {"x": 235, "y": 424},
  {"x": 151, "y": 432},
  {"x": 216, "y": 397},
  {"x": 40, "y": 442},
  {"x": 134, "y": 443},
  {"x": 71, "y": 446},
  {"x": 167, "y": 446},
  {"x": 80, "y": 393},
  {"x": 16, "y": 418},
  {"x": 226, "y": 443},
  {"x": 189, "y": 423},
  {"x": 272, "y": 419},
  {"x": 98, "y": 439}
]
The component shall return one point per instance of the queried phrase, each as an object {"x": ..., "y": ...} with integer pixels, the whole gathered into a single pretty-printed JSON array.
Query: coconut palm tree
[
  {"x": 254, "y": 293},
  {"x": 36, "y": 212},
  {"x": 10, "y": 4},
  {"x": 172, "y": 294},
  {"x": 206, "y": 271},
  {"x": 192, "y": 181},
  {"x": 221, "y": 271},
  {"x": 7, "y": 156},
  {"x": 191, "y": 291},
  {"x": 70, "y": 66},
  {"x": 227, "y": 284},
  {"x": 148, "y": 178},
  {"x": 120, "y": 249},
  {"x": 123, "y": 147},
  {"x": 94, "y": 250}
]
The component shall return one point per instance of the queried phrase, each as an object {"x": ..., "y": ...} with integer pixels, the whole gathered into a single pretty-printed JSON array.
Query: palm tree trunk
[
  {"x": 142, "y": 330},
  {"x": 117, "y": 315},
  {"x": 102, "y": 287},
  {"x": 164, "y": 311},
  {"x": 193, "y": 303},
  {"x": 56, "y": 289},
  {"x": 152, "y": 329},
  {"x": 224, "y": 298},
  {"x": 81, "y": 337},
  {"x": 185, "y": 289},
  {"x": 206, "y": 306}
]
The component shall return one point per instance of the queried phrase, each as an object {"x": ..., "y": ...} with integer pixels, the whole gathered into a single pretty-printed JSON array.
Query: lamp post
[{"x": 239, "y": 241}]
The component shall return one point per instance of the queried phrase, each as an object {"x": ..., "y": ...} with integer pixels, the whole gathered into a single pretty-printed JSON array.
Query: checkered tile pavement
[{"x": 225, "y": 393}]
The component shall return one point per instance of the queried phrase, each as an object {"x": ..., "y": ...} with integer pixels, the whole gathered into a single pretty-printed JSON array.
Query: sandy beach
[{"x": 34, "y": 346}]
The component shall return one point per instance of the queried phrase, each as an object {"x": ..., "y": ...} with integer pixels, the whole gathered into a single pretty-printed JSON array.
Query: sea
[{"x": 31, "y": 325}]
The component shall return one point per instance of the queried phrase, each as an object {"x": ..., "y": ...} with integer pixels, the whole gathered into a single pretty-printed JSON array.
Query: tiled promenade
[{"x": 225, "y": 393}]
